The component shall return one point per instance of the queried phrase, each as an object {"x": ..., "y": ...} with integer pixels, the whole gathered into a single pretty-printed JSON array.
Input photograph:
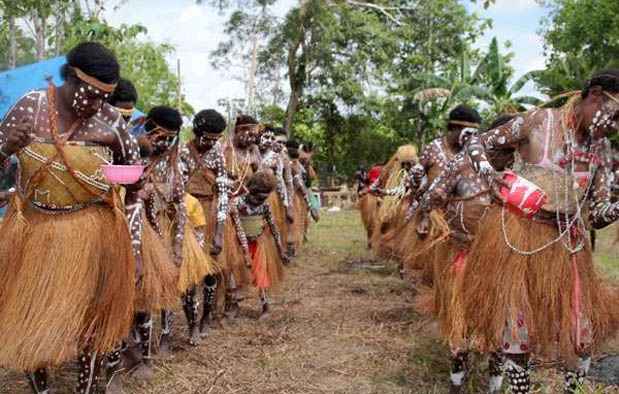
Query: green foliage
[
  {"x": 142, "y": 62},
  {"x": 581, "y": 37},
  {"x": 355, "y": 64}
]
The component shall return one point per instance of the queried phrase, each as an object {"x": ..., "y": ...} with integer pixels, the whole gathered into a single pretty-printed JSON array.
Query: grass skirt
[
  {"x": 419, "y": 254},
  {"x": 67, "y": 282},
  {"x": 388, "y": 239},
  {"x": 499, "y": 284},
  {"x": 157, "y": 289},
  {"x": 231, "y": 257},
  {"x": 301, "y": 217},
  {"x": 267, "y": 269},
  {"x": 196, "y": 262},
  {"x": 234, "y": 256},
  {"x": 368, "y": 206},
  {"x": 279, "y": 215}
]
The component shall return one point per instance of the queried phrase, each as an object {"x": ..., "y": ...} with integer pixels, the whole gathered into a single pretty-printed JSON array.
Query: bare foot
[
  {"x": 204, "y": 326},
  {"x": 233, "y": 311},
  {"x": 266, "y": 313},
  {"x": 143, "y": 372},
  {"x": 194, "y": 336},
  {"x": 114, "y": 386},
  {"x": 131, "y": 358},
  {"x": 164, "y": 346}
]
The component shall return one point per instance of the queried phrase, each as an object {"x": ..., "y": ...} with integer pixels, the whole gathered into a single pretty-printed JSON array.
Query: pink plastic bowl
[
  {"x": 122, "y": 175},
  {"x": 523, "y": 196}
]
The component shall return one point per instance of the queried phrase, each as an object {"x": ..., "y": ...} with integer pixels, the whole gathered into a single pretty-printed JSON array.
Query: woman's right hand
[{"x": 18, "y": 137}]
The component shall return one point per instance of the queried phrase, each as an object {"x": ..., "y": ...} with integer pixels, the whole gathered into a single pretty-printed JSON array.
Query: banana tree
[
  {"x": 436, "y": 95},
  {"x": 495, "y": 75}
]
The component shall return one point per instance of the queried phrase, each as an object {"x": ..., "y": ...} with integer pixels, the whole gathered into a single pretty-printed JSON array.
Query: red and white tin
[{"x": 522, "y": 196}]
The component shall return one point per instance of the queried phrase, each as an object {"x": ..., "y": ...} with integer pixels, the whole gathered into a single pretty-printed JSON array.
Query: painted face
[
  {"x": 160, "y": 140},
  {"x": 606, "y": 118},
  {"x": 267, "y": 140},
  {"x": 280, "y": 143},
  {"x": 257, "y": 197},
  {"x": 87, "y": 100},
  {"x": 126, "y": 109},
  {"x": 407, "y": 165},
  {"x": 243, "y": 137},
  {"x": 206, "y": 142}
]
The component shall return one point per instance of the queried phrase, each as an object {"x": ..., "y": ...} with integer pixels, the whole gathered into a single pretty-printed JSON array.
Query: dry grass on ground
[{"x": 342, "y": 323}]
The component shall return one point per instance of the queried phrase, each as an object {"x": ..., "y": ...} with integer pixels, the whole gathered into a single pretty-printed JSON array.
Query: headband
[
  {"x": 125, "y": 111},
  {"x": 161, "y": 129},
  {"x": 259, "y": 127},
  {"x": 464, "y": 123},
  {"x": 212, "y": 136},
  {"x": 105, "y": 87}
]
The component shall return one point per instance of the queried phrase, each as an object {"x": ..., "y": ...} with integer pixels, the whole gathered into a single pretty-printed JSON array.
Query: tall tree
[
  {"x": 580, "y": 36},
  {"x": 247, "y": 30}
]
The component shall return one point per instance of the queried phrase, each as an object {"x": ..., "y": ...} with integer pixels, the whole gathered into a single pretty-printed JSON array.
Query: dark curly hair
[
  {"x": 208, "y": 121},
  {"x": 293, "y": 149},
  {"x": 279, "y": 131},
  {"x": 465, "y": 113},
  {"x": 245, "y": 119},
  {"x": 125, "y": 91},
  {"x": 93, "y": 59},
  {"x": 262, "y": 181},
  {"x": 164, "y": 116},
  {"x": 607, "y": 79}
]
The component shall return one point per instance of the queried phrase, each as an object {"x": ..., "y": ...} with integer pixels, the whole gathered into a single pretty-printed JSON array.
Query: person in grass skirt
[{"x": 259, "y": 235}]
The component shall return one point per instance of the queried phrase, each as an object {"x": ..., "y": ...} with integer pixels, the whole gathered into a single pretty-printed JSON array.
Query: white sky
[{"x": 196, "y": 30}]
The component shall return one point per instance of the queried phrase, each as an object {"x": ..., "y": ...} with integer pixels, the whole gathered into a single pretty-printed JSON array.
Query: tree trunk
[
  {"x": 253, "y": 67},
  {"x": 59, "y": 32},
  {"x": 99, "y": 7},
  {"x": 39, "y": 30},
  {"x": 291, "y": 109},
  {"x": 12, "y": 42},
  {"x": 296, "y": 69},
  {"x": 89, "y": 11}
]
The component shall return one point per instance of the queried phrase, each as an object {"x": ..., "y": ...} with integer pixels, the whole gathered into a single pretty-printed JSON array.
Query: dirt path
[{"x": 342, "y": 323}]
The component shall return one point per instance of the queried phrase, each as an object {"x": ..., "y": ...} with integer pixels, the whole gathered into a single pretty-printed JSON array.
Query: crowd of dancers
[
  {"x": 87, "y": 264},
  {"x": 491, "y": 226}
]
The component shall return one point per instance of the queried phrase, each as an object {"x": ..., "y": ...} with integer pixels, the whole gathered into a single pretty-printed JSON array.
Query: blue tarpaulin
[{"x": 21, "y": 80}]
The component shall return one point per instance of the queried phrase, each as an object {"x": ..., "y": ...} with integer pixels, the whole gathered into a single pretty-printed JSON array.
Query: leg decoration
[
  {"x": 210, "y": 287},
  {"x": 264, "y": 302},
  {"x": 495, "y": 368},
  {"x": 457, "y": 375},
  {"x": 190, "y": 307},
  {"x": 166, "y": 331},
  {"x": 574, "y": 380},
  {"x": 38, "y": 381},
  {"x": 88, "y": 370},
  {"x": 144, "y": 330},
  {"x": 517, "y": 371},
  {"x": 111, "y": 382},
  {"x": 231, "y": 307}
]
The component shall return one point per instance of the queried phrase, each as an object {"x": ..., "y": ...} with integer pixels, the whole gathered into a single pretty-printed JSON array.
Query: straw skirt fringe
[
  {"x": 67, "y": 282},
  {"x": 297, "y": 229},
  {"x": 499, "y": 285},
  {"x": 157, "y": 289},
  {"x": 267, "y": 269}
]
